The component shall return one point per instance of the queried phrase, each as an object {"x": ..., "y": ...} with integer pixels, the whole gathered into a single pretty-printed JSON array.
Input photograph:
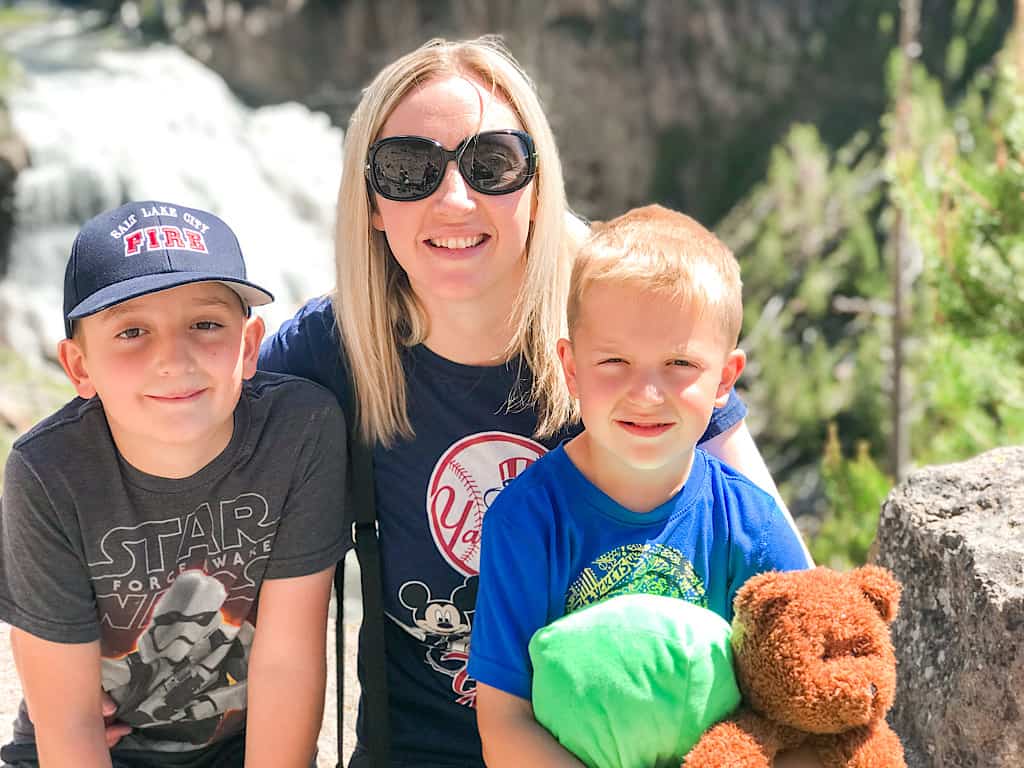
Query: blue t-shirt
[
  {"x": 431, "y": 493},
  {"x": 554, "y": 543}
]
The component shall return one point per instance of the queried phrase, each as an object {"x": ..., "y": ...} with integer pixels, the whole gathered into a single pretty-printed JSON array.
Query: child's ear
[
  {"x": 568, "y": 365},
  {"x": 72, "y": 360},
  {"x": 252, "y": 336},
  {"x": 731, "y": 370}
]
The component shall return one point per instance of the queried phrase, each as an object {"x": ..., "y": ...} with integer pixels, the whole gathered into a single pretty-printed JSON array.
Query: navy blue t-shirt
[{"x": 432, "y": 492}]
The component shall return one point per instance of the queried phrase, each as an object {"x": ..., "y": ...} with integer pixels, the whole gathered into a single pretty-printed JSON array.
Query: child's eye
[
  {"x": 207, "y": 325},
  {"x": 610, "y": 360},
  {"x": 682, "y": 363},
  {"x": 130, "y": 333}
]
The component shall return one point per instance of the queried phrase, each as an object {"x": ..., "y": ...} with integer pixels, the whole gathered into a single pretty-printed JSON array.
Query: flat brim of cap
[{"x": 135, "y": 287}]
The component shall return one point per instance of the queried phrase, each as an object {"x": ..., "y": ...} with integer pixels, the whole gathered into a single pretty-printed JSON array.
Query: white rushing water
[{"x": 107, "y": 121}]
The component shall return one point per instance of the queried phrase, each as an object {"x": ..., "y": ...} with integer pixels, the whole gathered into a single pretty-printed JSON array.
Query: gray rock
[{"x": 954, "y": 536}]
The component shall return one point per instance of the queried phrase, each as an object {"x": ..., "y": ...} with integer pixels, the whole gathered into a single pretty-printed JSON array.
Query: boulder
[{"x": 954, "y": 536}]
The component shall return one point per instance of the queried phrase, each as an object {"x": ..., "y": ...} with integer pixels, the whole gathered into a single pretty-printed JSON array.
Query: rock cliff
[
  {"x": 954, "y": 535},
  {"x": 650, "y": 99}
]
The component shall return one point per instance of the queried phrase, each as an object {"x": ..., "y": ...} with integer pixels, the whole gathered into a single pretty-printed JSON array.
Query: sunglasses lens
[
  {"x": 406, "y": 169},
  {"x": 411, "y": 167},
  {"x": 495, "y": 163}
]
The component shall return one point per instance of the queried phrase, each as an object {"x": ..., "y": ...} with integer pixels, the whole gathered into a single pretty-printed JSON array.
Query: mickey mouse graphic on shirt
[
  {"x": 444, "y": 626},
  {"x": 466, "y": 479},
  {"x": 444, "y": 622}
]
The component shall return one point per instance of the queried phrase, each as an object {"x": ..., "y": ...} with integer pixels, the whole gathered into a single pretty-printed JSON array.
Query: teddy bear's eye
[{"x": 837, "y": 647}]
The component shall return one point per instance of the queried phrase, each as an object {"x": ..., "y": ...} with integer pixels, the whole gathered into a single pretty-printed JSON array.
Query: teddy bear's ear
[
  {"x": 880, "y": 587},
  {"x": 761, "y": 598}
]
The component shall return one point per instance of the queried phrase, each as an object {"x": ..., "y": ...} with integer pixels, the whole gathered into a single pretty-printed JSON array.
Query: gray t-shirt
[{"x": 165, "y": 573}]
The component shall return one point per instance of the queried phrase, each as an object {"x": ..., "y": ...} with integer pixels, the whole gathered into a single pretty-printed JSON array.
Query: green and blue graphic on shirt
[{"x": 650, "y": 569}]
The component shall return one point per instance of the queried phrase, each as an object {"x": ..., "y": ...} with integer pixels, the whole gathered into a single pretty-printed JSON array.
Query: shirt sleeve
[
  {"x": 45, "y": 588},
  {"x": 726, "y": 417},
  {"x": 768, "y": 541},
  {"x": 781, "y": 549},
  {"x": 312, "y": 532},
  {"x": 307, "y": 345},
  {"x": 513, "y": 600}
]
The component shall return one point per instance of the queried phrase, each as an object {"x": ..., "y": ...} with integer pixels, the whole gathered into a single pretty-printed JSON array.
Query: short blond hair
[
  {"x": 665, "y": 252},
  {"x": 375, "y": 306}
]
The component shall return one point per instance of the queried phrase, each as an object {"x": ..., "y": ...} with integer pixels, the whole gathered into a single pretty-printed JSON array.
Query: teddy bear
[{"x": 816, "y": 668}]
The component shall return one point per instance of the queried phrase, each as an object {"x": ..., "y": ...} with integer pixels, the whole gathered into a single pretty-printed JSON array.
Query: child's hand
[{"x": 114, "y": 731}]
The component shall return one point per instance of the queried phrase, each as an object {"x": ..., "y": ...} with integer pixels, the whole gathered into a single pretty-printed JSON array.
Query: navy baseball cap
[{"x": 149, "y": 246}]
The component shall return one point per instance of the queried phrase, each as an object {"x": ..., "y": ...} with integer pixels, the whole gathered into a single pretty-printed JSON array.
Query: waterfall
[{"x": 108, "y": 120}]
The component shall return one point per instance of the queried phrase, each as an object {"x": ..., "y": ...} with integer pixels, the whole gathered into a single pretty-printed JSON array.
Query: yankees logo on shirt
[{"x": 465, "y": 481}]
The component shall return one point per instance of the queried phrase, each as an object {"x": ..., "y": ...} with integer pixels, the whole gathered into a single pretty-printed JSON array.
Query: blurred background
[{"x": 864, "y": 159}]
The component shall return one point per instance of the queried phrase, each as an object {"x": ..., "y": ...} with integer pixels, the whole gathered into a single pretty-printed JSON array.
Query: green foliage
[
  {"x": 13, "y": 17},
  {"x": 855, "y": 488},
  {"x": 816, "y": 240},
  {"x": 812, "y": 266},
  {"x": 965, "y": 199}
]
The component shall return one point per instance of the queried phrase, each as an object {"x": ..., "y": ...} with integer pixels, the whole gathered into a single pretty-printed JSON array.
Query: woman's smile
[{"x": 456, "y": 243}]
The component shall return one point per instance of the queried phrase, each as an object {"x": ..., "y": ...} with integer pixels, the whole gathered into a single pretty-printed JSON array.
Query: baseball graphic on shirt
[{"x": 464, "y": 483}]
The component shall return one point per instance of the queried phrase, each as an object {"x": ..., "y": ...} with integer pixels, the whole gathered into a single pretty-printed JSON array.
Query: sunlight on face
[
  {"x": 648, "y": 371},
  {"x": 457, "y": 246},
  {"x": 168, "y": 367}
]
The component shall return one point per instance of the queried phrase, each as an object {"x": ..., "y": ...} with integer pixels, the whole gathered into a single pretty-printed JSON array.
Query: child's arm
[
  {"x": 512, "y": 737},
  {"x": 61, "y": 683},
  {"x": 288, "y": 671},
  {"x": 736, "y": 447}
]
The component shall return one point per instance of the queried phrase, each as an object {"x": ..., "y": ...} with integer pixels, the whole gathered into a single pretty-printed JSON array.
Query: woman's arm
[
  {"x": 736, "y": 447},
  {"x": 61, "y": 683},
  {"x": 288, "y": 671},
  {"x": 512, "y": 737}
]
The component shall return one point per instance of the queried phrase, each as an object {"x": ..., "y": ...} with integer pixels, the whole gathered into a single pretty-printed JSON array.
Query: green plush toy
[{"x": 633, "y": 681}]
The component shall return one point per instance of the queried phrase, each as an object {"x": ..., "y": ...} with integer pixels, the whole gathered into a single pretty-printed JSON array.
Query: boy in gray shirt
[{"x": 145, "y": 524}]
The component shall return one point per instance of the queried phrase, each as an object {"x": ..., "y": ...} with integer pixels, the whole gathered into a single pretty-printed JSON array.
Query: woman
[{"x": 453, "y": 250}]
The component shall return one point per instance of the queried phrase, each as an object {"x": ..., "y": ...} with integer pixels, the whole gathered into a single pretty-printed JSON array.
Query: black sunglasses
[{"x": 406, "y": 168}]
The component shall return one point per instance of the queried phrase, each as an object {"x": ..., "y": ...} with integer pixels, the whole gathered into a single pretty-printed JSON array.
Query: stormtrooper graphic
[{"x": 189, "y": 665}]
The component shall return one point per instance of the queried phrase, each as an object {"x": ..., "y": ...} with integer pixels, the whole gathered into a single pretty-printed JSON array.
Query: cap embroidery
[{"x": 164, "y": 237}]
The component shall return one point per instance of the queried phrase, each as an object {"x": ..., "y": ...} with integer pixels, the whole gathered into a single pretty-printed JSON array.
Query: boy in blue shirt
[{"x": 631, "y": 504}]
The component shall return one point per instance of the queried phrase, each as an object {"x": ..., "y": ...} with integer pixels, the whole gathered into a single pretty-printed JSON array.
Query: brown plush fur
[{"x": 816, "y": 666}]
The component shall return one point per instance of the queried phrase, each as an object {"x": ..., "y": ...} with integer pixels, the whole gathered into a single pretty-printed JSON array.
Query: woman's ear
[
  {"x": 376, "y": 220},
  {"x": 71, "y": 354}
]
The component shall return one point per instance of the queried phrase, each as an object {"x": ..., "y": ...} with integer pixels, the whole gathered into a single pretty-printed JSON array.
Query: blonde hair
[
  {"x": 376, "y": 308},
  {"x": 666, "y": 252}
]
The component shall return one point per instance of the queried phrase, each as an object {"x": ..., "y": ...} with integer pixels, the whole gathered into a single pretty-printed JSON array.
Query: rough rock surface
[
  {"x": 674, "y": 101},
  {"x": 954, "y": 535}
]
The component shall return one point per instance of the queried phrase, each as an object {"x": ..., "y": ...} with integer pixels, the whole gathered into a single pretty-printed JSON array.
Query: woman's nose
[{"x": 454, "y": 194}]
